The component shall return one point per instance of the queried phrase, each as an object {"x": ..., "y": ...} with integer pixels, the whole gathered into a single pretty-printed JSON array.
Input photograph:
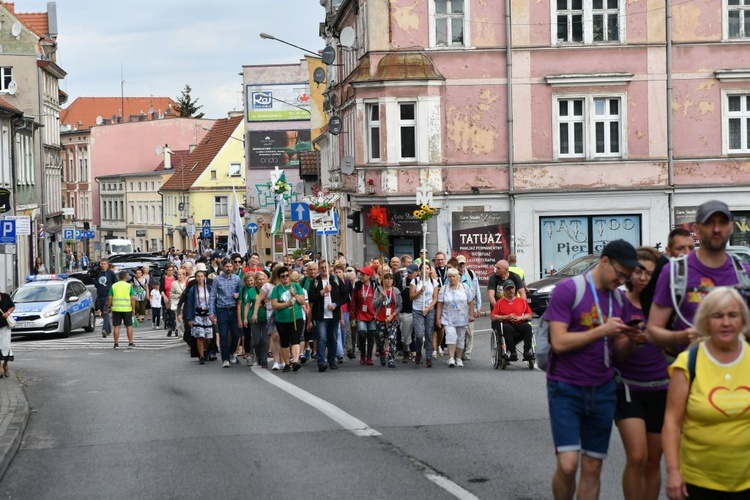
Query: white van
[{"x": 117, "y": 247}]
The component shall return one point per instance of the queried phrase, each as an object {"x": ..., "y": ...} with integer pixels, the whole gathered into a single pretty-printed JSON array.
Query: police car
[{"x": 52, "y": 304}]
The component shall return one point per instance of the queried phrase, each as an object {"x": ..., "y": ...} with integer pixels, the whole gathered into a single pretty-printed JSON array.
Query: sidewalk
[{"x": 14, "y": 413}]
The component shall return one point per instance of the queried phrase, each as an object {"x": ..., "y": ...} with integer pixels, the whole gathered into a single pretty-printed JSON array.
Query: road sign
[
  {"x": 333, "y": 230},
  {"x": 23, "y": 224},
  {"x": 8, "y": 249},
  {"x": 300, "y": 211},
  {"x": 79, "y": 234},
  {"x": 8, "y": 232},
  {"x": 206, "y": 228},
  {"x": 322, "y": 220},
  {"x": 69, "y": 233},
  {"x": 89, "y": 235},
  {"x": 252, "y": 228},
  {"x": 300, "y": 230}
]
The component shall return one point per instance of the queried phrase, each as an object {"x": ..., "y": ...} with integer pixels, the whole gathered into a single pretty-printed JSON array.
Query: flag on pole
[
  {"x": 236, "y": 242},
  {"x": 278, "y": 216}
]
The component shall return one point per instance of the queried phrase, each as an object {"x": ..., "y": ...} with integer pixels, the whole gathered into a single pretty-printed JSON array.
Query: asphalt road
[{"x": 152, "y": 423}]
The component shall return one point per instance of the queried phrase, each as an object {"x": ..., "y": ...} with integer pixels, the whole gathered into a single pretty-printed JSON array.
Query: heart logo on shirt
[{"x": 731, "y": 403}]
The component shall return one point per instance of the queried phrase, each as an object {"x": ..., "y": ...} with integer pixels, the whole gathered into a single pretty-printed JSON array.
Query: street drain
[{"x": 478, "y": 479}]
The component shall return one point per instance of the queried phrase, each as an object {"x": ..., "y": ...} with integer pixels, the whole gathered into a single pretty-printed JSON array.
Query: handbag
[{"x": 10, "y": 320}]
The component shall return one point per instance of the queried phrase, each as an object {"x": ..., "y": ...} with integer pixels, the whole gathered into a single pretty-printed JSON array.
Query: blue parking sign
[{"x": 8, "y": 231}]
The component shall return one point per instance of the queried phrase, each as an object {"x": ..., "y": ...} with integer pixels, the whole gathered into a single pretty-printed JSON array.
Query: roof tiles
[
  {"x": 196, "y": 163},
  {"x": 83, "y": 111}
]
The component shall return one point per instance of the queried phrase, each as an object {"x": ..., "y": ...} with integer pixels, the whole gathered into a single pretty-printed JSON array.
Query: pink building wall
[{"x": 131, "y": 147}]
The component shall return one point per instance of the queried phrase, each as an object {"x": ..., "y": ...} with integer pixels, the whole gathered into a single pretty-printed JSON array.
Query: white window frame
[
  {"x": 744, "y": 28},
  {"x": 221, "y": 206},
  {"x": 744, "y": 116},
  {"x": 433, "y": 16},
  {"x": 408, "y": 123},
  {"x": 589, "y": 125},
  {"x": 370, "y": 125},
  {"x": 6, "y": 77},
  {"x": 235, "y": 169},
  {"x": 588, "y": 23}
]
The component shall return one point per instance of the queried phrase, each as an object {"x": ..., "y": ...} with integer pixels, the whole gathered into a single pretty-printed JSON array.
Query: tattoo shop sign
[{"x": 483, "y": 238}]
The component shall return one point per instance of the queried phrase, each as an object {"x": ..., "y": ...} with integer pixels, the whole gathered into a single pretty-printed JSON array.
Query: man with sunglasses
[
  {"x": 581, "y": 389},
  {"x": 237, "y": 265}
]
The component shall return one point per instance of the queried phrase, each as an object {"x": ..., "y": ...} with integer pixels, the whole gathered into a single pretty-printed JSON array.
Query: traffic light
[{"x": 356, "y": 221}]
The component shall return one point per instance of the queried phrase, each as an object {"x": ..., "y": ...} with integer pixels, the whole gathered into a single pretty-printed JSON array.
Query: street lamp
[{"x": 266, "y": 36}]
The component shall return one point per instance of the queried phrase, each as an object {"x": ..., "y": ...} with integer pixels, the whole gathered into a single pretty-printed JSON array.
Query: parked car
[
  {"x": 538, "y": 292},
  {"x": 88, "y": 281},
  {"x": 52, "y": 304}
]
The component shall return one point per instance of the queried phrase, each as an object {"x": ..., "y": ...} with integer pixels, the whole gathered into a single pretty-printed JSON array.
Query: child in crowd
[{"x": 155, "y": 306}]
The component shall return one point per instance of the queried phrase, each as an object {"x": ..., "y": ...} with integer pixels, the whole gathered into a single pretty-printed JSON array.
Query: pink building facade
[{"x": 546, "y": 132}]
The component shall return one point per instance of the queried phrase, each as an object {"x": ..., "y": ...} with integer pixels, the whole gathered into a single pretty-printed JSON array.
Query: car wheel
[
  {"x": 91, "y": 324},
  {"x": 66, "y": 327}
]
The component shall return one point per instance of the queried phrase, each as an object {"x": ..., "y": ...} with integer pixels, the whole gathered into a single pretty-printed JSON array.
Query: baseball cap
[
  {"x": 461, "y": 259},
  {"x": 508, "y": 284},
  {"x": 412, "y": 268},
  {"x": 707, "y": 209},
  {"x": 366, "y": 270},
  {"x": 622, "y": 252}
]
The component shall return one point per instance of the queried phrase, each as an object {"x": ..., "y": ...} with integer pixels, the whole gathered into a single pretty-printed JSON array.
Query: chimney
[
  {"x": 191, "y": 148},
  {"x": 167, "y": 157}
]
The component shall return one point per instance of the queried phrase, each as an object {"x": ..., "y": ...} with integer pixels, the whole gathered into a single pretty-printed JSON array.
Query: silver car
[{"x": 52, "y": 304}]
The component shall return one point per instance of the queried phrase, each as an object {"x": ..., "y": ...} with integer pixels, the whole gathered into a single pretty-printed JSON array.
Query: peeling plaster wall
[
  {"x": 475, "y": 119},
  {"x": 696, "y": 21},
  {"x": 531, "y": 23},
  {"x": 459, "y": 180},
  {"x": 697, "y": 118},
  {"x": 580, "y": 176},
  {"x": 409, "y": 24},
  {"x": 461, "y": 65},
  {"x": 487, "y": 23},
  {"x": 640, "y": 20},
  {"x": 596, "y": 60},
  {"x": 722, "y": 172}
]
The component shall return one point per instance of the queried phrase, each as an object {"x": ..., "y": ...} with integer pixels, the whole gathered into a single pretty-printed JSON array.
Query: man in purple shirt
[
  {"x": 581, "y": 389},
  {"x": 708, "y": 266}
]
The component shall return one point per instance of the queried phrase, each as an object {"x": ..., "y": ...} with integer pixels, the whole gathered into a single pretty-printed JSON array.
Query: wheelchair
[{"x": 500, "y": 353}]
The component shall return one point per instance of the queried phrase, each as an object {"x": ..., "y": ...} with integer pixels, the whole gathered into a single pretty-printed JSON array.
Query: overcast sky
[{"x": 164, "y": 44}]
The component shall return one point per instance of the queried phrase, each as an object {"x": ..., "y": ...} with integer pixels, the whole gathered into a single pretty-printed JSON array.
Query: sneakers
[
  {"x": 391, "y": 364},
  {"x": 276, "y": 367},
  {"x": 428, "y": 362},
  {"x": 362, "y": 360},
  {"x": 131, "y": 344},
  {"x": 116, "y": 346},
  {"x": 322, "y": 368},
  {"x": 418, "y": 358},
  {"x": 452, "y": 363},
  {"x": 467, "y": 357},
  {"x": 225, "y": 364},
  {"x": 201, "y": 361},
  {"x": 527, "y": 356},
  {"x": 440, "y": 351},
  {"x": 339, "y": 359},
  {"x": 350, "y": 354},
  {"x": 286, "y": 368},
  {"x": 434, "y": 354},
  {"x": 368, "y": 362},
  {"x": 513, "y": 357},
  {"x": 382, "y": 361},
  {"x": 406, "y": 357},
  {"x": 296, "y": 366},
  {"x": 459, "y": 363},
  {"x": 232, "y": 359}
]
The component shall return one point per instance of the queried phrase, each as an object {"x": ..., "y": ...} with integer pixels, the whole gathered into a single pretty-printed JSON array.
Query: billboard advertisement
[
  {"x": 483, "y": 238},
  {"x": 281, "y": 102},
  {"x": 272, "y": 148}
]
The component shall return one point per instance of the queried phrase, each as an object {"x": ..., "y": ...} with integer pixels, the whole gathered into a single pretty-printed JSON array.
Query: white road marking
[
  {"x": 345, "y": 420},
  {"x": 451, "y": 487}
]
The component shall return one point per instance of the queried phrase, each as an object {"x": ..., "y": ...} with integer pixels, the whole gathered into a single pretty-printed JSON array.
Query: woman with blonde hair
[{"x": 706, "y": 434}]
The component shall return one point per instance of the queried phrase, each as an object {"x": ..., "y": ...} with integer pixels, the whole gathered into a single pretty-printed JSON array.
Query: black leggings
[
  {"x": 288, "y": 334},
  {"x": 366, "y": 341},
  {"x": 699, "y": 493}
]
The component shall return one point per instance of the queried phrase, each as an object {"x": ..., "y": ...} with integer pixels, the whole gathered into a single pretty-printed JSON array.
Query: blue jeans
[
  {"x": 229, "y": 333},
  {"x": 424, "y": 327},
  {"x": 102, "y": 304},
  {"x": 327, "y": 330}
]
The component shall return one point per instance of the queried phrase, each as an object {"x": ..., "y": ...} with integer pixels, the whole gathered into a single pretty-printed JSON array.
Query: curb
[{"x": 14, "y": 415}]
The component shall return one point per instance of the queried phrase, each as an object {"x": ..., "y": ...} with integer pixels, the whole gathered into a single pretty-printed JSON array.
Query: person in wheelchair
[{"x": 512, "y": 316}]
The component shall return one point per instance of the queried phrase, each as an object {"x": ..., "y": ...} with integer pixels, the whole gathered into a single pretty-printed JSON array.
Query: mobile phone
[{"x": 634, "y": 322}]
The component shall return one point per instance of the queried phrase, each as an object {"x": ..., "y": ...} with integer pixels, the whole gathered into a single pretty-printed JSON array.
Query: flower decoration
[
  {"x": 380, "y": 237},
  {"x": 320, "y": 207},
  {"x": 281, "y": 187},
  {"x": 379, "y": 216},
  {"x": 424, "y": 213}
]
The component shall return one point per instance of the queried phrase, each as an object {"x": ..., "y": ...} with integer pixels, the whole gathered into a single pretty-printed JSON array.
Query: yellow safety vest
[{"x": 121, "y": 292}]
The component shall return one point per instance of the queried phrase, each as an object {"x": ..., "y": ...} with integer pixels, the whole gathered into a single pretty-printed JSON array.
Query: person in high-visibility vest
[{"x": 122, "y": 305}]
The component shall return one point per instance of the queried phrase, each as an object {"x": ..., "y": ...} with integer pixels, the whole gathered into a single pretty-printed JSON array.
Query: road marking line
[
  {"x": 345, "y": 420},
  {"x": 451, "y": 487}
]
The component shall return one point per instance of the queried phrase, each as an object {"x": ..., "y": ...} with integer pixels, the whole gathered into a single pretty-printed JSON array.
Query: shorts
[
  {"x": 581, "y": 417},
  {"x": 646, "y": 405},
  {"x": 288, "y": 334},
  {"x": 120, "y": 317},
  {"x": 366, "y": 326}
]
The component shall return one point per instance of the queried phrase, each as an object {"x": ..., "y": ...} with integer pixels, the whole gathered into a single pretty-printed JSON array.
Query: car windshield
[
  {"x": 125, "y": 248},
  {"x": 577, "y": 266},
  {"x": 38, "y": 292}
]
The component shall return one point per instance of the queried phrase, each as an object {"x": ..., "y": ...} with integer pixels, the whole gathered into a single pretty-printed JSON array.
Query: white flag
[{"x": 237, "y": 242}]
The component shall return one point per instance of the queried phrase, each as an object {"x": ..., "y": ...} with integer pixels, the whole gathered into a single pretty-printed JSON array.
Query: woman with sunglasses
[
  {"x": 262, "y": 301},
  {"x": 287, "y": 299}
]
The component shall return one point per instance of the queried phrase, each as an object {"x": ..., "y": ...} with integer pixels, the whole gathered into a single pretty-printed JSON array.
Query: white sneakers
[
  {"x": 459, "y": 363},
  {"x": 455, "y": 362},
  {"x": 225, "y": 364},
  {"x": 276, "y": 367},
  {"x": 452, "y": 363}
]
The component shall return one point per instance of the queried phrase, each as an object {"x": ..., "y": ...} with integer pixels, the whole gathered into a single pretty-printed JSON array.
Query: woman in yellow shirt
[{"x": 706, "y": 434}]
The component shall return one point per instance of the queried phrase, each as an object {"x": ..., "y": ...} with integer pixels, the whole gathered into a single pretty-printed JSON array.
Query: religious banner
[{"x": 483, "y": 238}]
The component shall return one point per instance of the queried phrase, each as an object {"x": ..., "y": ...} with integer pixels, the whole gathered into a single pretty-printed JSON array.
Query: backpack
[
  {"x": 678, "y": 280},
  {"x": 543, "y": 346},
  {"x": 692, "y": 359}
]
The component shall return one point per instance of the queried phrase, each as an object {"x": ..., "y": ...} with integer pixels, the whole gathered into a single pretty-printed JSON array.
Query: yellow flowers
[{"x": 424, "y": 212}]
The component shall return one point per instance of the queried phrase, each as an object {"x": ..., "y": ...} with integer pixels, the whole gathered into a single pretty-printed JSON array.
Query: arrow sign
[
  {"x": 252, "y": 228},
  {"x": 300, "y": 211}
]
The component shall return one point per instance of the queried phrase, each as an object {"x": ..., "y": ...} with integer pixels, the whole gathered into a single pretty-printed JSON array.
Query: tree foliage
[{"x": 188, "y": 107}]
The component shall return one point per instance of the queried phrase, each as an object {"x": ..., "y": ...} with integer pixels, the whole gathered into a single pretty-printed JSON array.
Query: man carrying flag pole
[{"x": 236, "y": 242}]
